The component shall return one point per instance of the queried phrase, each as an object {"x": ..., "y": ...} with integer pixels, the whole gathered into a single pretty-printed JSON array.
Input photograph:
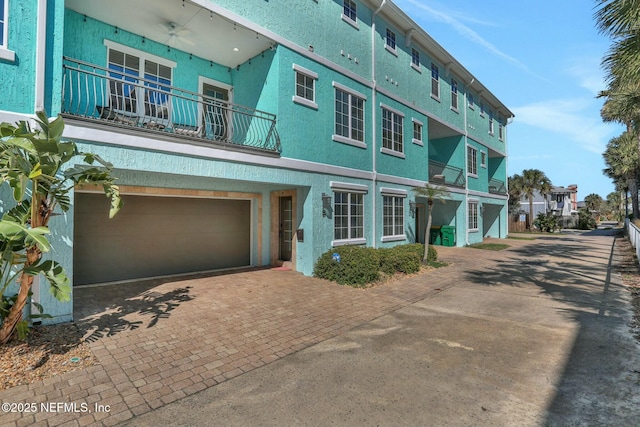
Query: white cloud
[
  {"x": 588, "y": 73},
  {"x": 454, "y": 20},
  {"x": 572, "y": 120}
]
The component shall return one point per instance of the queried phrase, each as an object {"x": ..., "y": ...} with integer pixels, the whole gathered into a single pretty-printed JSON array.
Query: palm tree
[
  {"x": 515, "y": 193},
  {"x": 431, "y": 193},
  {"x": 534, "y": 180},
  {"x": 621, "y": 158},
  {"x": 620, "y": 20}
]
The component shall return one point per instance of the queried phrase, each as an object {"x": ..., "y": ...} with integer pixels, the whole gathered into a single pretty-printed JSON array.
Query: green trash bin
[
  {"x": 435, "y": 237},
  {"x": 448, "y": 235}
]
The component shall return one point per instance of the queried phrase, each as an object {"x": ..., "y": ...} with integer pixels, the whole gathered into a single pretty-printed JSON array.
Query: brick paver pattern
[{"x": 158, "y": 342}]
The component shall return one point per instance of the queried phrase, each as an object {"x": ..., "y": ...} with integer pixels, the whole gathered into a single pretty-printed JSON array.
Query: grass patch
[
  {"x": 437, "y": 264},
  {"x": 490, "y": 246},
  {"x": 520, "y": 237}
]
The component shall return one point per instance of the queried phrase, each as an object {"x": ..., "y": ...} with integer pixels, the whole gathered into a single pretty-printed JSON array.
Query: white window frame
[
  {"x": 472, "y": 161},
  {"x": 435, "y": 82},
  {"x": 143, "y": 57},
  {"x": 473, "y": 215},
  {"x": 5, "y": 53},
  {"x": 500, "y": 130},
  {"x": 343, "y": 139},
  {"x": 311, "y": 103},
  {"x": 397, "y": 197},
  {"x": 470, "y": 100},
  {"x": 454, "y": 95},
  {"x": 483, "y": 159},
  {"x": 350, "y": 189},
  {"x": 390, "y": 47},
  {"x": 415, "y": 54},
  {"x": 417, "y": 141},
  {"x": 394, "y": 151},
  {"x": 348, "y": 19},
  {"x": 490, "y": 123}
]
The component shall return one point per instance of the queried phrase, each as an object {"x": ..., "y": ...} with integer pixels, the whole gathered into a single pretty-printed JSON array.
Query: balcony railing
[
  {"x": 112, "y": 97},
  {"x": 439, "y": 173},
  {"x": 497, "y": 187}
]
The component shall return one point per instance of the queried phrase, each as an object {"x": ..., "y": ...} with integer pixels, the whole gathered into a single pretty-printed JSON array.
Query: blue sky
[{"x": 542, "y": 60}]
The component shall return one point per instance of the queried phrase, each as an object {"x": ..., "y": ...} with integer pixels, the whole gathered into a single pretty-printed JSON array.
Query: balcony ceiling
[{"x": 190, "y": 28}]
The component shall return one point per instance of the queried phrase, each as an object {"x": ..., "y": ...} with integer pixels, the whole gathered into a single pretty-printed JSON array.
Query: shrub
[
  {"x": 547, "y": 222},
  {"x": 586, "y": 220},
  {"x": 401, "y": 259},
  {"x": 432, "y": 255},
  {"x": 357, "y": 265}
]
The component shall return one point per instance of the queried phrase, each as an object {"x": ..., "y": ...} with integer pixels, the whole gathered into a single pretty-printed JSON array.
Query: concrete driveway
[{"x": 535, "y": 335}]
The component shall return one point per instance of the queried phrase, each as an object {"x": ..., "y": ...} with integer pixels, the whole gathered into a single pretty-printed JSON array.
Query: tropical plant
[
  {"x": 431, "y": 193},
  {"x": 621, "y": 158},
  {"x": 515, "y": 193},
  {"x": 33, "y": 163},
  {"x": 547, "y": 222},
  {"x": 594, "y": 202},
  {"x": 615, "y": 205},
  {"x": 533, "y": 180},
  {"x": 586, "y": 220}
]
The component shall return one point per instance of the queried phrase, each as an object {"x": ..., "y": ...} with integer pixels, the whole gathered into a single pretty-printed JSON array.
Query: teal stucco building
[{"x": 252, "y": 133}]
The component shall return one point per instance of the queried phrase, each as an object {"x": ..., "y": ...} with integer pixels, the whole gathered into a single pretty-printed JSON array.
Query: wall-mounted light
[
  {"x": 481, "y": 210},
  {"x": 412, "y": 208},
  {"x": 326, "y": 204}
]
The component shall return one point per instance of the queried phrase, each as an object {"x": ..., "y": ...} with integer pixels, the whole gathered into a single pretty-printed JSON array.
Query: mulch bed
[{"x": 46, "y": 352}]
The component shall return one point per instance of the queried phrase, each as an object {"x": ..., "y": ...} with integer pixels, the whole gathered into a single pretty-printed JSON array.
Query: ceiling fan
[{"x": 177, "y": 34}]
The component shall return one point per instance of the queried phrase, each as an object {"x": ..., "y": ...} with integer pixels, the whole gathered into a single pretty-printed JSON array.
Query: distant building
[{"x": 561, "y": 201}]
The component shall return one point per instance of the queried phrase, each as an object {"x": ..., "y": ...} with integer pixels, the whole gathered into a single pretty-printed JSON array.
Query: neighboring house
[
  {"x": 561, "y": 201},
  {"x": 252, "y": 133}
]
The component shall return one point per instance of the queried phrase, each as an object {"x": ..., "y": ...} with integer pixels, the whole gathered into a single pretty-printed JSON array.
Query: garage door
[{"x": 155, "y": 236}]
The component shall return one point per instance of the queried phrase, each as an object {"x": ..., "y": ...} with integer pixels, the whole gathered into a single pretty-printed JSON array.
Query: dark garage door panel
[{"x": 154, "y": 236}]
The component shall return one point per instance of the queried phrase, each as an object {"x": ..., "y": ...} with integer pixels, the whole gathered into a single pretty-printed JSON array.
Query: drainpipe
[
  {"x": 41, "y": 47},
  {"x": 374, "y": 109},
  {"x": 466, "y": 181}
]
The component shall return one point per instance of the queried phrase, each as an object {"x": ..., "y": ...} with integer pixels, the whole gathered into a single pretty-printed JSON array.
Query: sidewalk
[{"x": 174, "y": 340}]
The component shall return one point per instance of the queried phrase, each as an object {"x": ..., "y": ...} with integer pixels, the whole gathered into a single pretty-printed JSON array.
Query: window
[
  {"x": 349, "y": 116},
  {"x": 435, "y": 81},
  {"x": 454, "y": 94},
  {"x": 490, "y": 123},
  {"x": 481, "y": 109},
  {"x": 4, "y": 11},
  {"x": 148, "y": 100},
  {"x": 305, "y": 92},
  {"x": 415, "y": 58},
  {"x": 470, "y": 99},
  {"x": 417, "y": 132},
  {"x": 390, "y": 42},
  {"x": 472, "y": 160},
  {"x": 473, "y": 216},
  {"x": 348, "y": 216},
  {"x": 392, "y": 128},
  {"x": 349, "y": 10},
  {"x": 392, "y": 216},
  {"x": 483, "y": 159},
  {"x": 500, "y": 130}
]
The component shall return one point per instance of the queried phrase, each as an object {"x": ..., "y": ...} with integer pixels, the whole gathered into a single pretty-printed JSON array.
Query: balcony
[
  {"x": 95, "y": 94},
  {"x": 442, "y": 174},
  {"x": 497, "y": 187}
]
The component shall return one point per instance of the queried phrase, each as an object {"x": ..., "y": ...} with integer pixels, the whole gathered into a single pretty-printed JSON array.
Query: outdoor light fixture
[
  {"x": 412, "y": 207},
  {"x": 326, "y": 204}
]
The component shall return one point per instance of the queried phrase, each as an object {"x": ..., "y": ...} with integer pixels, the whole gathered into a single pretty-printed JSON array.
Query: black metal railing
[
  {"x": 497, "y": 187},
  {"x": 98, "y": 94},
  {"x": 440, "y": 173}
]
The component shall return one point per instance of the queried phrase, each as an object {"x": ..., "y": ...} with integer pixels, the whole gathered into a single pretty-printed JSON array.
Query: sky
[{"x": 542, "y": 60}]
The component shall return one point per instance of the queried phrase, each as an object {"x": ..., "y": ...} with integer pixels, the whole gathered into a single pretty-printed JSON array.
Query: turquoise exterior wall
[
  {"x": 18, "y": 77},
  {"x": 312, "y": 35}
]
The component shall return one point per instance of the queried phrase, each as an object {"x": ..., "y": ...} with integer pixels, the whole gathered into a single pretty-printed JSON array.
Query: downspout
[
  {"x": 466, "y": 160},
  {"x": 374, "y": 108},
  {"x": 41, "y": 48}
]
